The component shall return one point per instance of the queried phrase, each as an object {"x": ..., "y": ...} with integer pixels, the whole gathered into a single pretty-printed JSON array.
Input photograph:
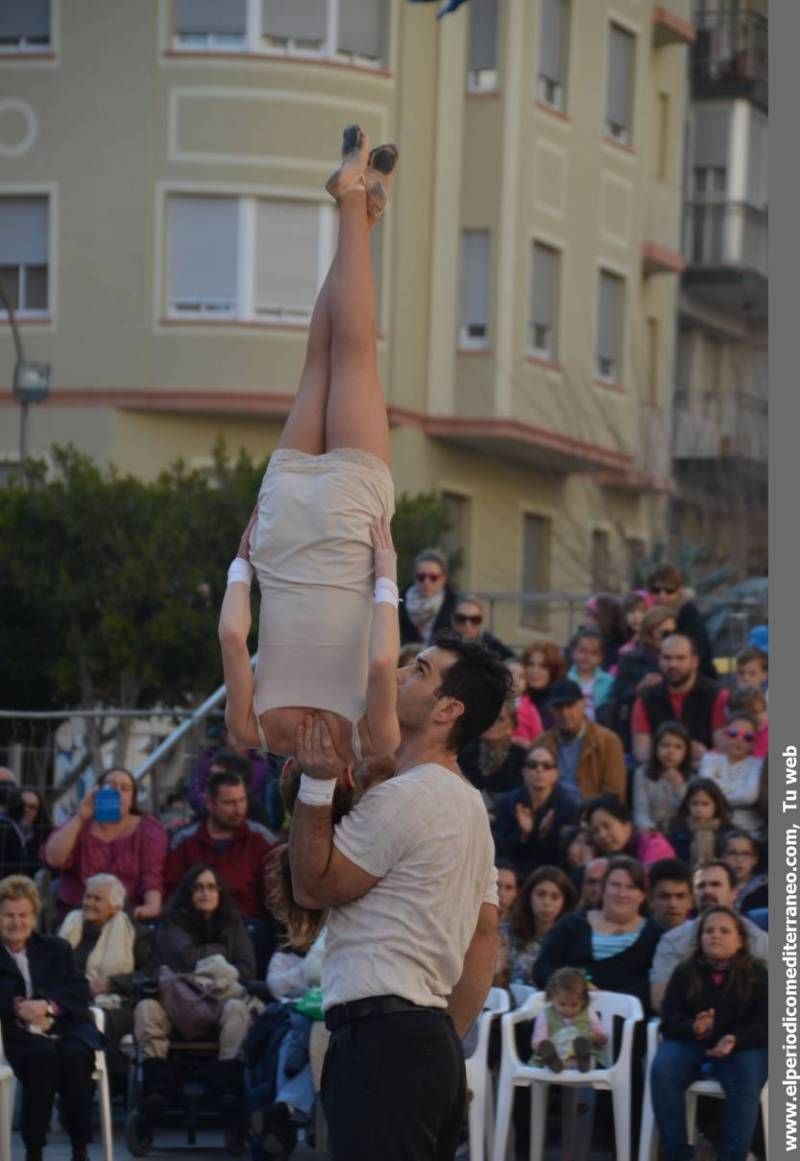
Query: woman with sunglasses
[
  {"x": 429, "y": 602},
  {"x": 468, "y": 621},
  {"x": 665, "y": 585},
  {"x": 737, "y": 772},
  {"x": 530, "y": 820},
  {"x": 638, "y": 670}
]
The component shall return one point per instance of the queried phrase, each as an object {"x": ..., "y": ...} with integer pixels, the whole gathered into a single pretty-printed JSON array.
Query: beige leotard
[{"x": 311, "y": 550}]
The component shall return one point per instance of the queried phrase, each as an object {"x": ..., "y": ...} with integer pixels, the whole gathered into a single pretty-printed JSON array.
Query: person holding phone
[{"x": 108, "y": 834}]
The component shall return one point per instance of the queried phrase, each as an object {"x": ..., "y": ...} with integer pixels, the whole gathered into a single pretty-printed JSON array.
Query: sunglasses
[
  {"x": 748, "y": 735},
  {"x": 467, "y": 618},
  {"x": 541, "y": 765},
  {"x": 428, "y": 576},
  {"x": 669, "y": 589}
]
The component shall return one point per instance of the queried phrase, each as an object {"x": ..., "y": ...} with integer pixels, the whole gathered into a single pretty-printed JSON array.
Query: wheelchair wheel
[
  {"x": 138, "y": 1134},
  {"x": 234, "y": 1139}
]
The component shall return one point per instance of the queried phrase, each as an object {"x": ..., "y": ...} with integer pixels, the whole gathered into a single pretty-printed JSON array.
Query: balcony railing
[
  {"x": 731, "y": 234},
  {"x": 720, "y": 425},
  {"x": 730, "y": 55}
]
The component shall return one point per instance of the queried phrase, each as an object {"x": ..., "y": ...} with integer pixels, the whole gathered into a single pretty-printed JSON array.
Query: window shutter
[
  {"x": 287, "y": 244},
  {"x": 620, "y": 77},
  {"x": 544, "y": 285},
  {"x": 475, "y": 277},
  {"x": 29, "y": 18},
  {"x": 609, "y": 317},
  {"x": 553, "y": 40},
  {"x": 23, "y": 231},
  {"x": 196, "y": 17},
  {"x": 296, "y": 20},
  {"x": 483, "y": 35},
  {"x": 711, "y": 132},
  {"x": 362, "y": 26},
  {"x": 203, "y": 235},
  {"x": 757, "y": 161}
]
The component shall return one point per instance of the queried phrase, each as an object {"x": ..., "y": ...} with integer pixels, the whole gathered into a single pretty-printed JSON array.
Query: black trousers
[
  {"x": 394, "y": 1088},
  {"x": 45, "y": 1067}
]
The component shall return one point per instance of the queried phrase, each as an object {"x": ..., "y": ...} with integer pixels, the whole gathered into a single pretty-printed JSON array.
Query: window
[
  {"x": 705, "y": 219},
  {"x": 24, "y": 244},
  {"x": 535, "y": 569},
  {"x": 473, "y": 328},
  {"x": 600, "y": 563},
  {"x": 455, "y": 541},
  {"x": 662, "y": 136},
  {"x": 24, "y": 26},
  {"x": 619, "y": 90},
  {"x": 245, "y": 258},
  {"x": 651, "y": 386},
  {"x": 543, "y": 323},
  {"x": 610, "y": 300},
  {"x": 482, "y": 45},
  {"x": 348, "y": 30},
  {"x": 636, "y": 552},
  {"x": 551, "y": 84}
]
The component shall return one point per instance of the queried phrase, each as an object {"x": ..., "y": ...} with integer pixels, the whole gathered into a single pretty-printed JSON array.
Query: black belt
[{"x": 371, "y": 1006}]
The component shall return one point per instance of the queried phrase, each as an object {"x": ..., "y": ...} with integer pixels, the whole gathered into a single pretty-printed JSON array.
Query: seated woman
[
  {"x": 322, "y": 516},
  {"x": 545, "y": 897},
  {"x": 108, "y": 949},
  {"x": 202, "y": 920},
  {"x": 714, "y": 1016},
  {"x": 493, "y": 762},
  {"x": 48, "y": 1035},
  {"x": 530, "y": 821},
  {"x": 737, "y": 772},
  {"x": 611, "y": 824},
  {"x": 428, "y": 603},
  {"x": 659, "y": 784},
  {"x": 702, "y": 817},
  {"x": 544, "y": 663},
  {"x": 23, "y": 830},
  {"x": 134, "y": 847},
  {"x": 742, "y": 854}
]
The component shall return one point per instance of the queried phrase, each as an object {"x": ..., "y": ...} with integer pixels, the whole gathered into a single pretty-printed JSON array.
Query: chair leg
[
  {"x": 477, "y": 1113},
  {"x": 621, "y": 1100},
  {"x": 104, "y": 1098},
  {"x": 691, "y": 1115},
  {"x": 488, "y": 1117},
  {"x": 6, "y": 1113},
  {"x": 765, "y": 1118},
  {"x": 505, "y": 1097},
  {"x": 539, "y": 1094},
  {"x": 647, "y": 1135}
]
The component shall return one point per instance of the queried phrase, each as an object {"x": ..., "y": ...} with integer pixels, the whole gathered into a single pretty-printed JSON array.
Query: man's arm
[
  {"x": 321, "y": 875},
  {"x": 384, "y": 649},
  {"x": 468, "y": 996},
  {"x": 614, "y": 774}
]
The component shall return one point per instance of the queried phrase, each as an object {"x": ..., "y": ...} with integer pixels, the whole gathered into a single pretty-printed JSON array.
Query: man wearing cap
[{"x": 590, "y": 757}]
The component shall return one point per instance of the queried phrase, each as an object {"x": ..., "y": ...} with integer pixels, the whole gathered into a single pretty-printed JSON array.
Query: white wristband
[
  {"x": 386, "y": 592},
  {"x": 316, "y": 791},
  {"x": 240, "y": 570}
]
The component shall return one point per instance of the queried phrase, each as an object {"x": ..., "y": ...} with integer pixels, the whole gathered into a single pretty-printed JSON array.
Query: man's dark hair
[
  {"x": 708, "y": 864},
  {"x": 684, "y": 637},
  {"x": 670, "y": 870},
  {"x": 479, "y": 680},
  {"x": 223, "y": 778},
  {"x": 233, "y": 763},
  {"x": 752, "y": 653}
]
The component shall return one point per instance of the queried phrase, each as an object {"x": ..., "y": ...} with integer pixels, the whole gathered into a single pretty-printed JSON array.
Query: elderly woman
[
  {"x": 202, "y": 921},
  {"x": 429, "y": 602},
  {"x": 133, "y": 847},
  {"x": 48, "y": 1035},
  {"x": 109, "y": 949}
]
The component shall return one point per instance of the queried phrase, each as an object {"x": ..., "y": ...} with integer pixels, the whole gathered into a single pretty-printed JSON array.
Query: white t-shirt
[{"x": 426, "y": 835}]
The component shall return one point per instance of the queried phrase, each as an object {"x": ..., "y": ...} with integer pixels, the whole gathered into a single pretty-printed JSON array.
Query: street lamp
[{"x": 31, "y": 380}]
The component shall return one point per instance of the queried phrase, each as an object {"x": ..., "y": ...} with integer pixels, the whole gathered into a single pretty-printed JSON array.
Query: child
[
  {"x": 752, "y": 668},
  {"x": 737, "y": 772},
  {"x": 566, "y": 1033},
  {"x": 749, "y": 700},
  {"x": 702, "y": 816},
  {"x": 714, "y": 1014},
  {"x": 595, "y": 683},
  {"x": 660, "y": 783},
  {"x": 634, "y": 607}
]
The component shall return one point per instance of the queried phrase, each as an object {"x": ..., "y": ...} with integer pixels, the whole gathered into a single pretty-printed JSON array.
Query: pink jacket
[
  {"x": 649, "y": 846},
  {"x": 529, "y": 724}
]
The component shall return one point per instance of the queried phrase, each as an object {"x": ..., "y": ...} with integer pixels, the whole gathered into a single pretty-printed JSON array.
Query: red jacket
[{"x": 241, "y": 867}]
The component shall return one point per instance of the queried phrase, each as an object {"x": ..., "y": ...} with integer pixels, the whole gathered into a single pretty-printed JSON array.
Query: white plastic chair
[
  {"x": 8, "y": 1090},
  {"x": 648, "y": 1139},
  {"x": 521, "y": 993},
  {"x": 616, "y": 1078},
  {"x": 479, "y": 1080}
]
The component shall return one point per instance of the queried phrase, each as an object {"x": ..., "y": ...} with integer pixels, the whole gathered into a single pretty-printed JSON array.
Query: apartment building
[
  {"x": 163, "y": 230},
  {"x": 720, "y": 427}
]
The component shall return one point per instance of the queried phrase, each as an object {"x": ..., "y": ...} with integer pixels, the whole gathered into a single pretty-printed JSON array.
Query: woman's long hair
[
  {"x": 653, "y": 767},
  {"x": 183, "y": 913},
  {"x": 741, "y": 973},
  {"x": 709, "y": 787},
  {"x": 522, "y": 919},
  {"x": 302, "y": 925}
]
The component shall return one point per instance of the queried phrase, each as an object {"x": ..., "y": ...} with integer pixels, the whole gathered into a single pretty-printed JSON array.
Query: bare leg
[
  {"x": 356, "y": 411},
  {"x": 304, "y": 429}
]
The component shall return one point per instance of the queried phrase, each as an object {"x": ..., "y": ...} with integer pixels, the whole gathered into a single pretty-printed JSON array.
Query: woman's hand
[
  {"x": 703, "y": 1023},
  {"x": 723, "y": 1047},
  {"x": 85, "y": 809},
  {"x": 99, "y": 985},
  {"x": 147, "y": 911},
  {"x": 244, "y": 544},
  {"x": 34, "y": 1012},
  {"x": 383, "y": 551},
  {"x": 547, "y": 821},
  {"x": 524, "y": 819},
  {"x": 674, "y": 777}
]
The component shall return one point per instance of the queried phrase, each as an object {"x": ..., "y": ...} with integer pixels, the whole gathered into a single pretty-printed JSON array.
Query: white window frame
[
  {"x": 22, "y": 312},
  {"x": 549, "y": 352},
  {"x": 622, "y": 134},
  {"x": 467, "y": 341},
  {"x": 611, "y": 374},
  {"x": 254, "y": 42},
  {"x": 244, "y": 309},
  {"x": 24, "y": 47},
  {"x": 549, "y": 91},
  {"x": 485, "y": 80}
]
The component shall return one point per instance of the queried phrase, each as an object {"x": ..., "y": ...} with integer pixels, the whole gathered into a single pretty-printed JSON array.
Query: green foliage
[
  {"x": 113, "y": 584},
  {"x": 420, "y": 521}
]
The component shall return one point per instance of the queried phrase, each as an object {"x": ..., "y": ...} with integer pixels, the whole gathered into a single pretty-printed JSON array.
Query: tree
[{"x": 420, "y": 521}]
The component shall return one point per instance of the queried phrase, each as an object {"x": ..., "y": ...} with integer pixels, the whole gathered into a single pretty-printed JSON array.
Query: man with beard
[
  {"x": 409, "y": 881},
  {"x": 684, "y": 695}
]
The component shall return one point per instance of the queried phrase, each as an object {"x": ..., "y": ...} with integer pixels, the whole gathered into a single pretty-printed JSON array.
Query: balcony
[
  {"x": 730, "y": 57},
  {"x": 725, "y": 246},
  {"x": 730, "y": 425}
]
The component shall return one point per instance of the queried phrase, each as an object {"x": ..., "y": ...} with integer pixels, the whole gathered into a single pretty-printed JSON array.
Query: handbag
[{"x": 189, "y": 1002}]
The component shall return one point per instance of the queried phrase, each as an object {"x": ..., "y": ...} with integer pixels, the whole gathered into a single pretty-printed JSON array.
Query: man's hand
[
  {"x": 703, "y": 1023},
  {"x": 383, "y": 551},
  {"x": 316, "y": 754},
  {"x": 649, "y": 681},
  {"x": 723, "y": 1047}
]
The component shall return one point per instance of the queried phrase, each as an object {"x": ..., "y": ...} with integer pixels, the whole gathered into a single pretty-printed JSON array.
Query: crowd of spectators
[{"x": 625, "y": 783}]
